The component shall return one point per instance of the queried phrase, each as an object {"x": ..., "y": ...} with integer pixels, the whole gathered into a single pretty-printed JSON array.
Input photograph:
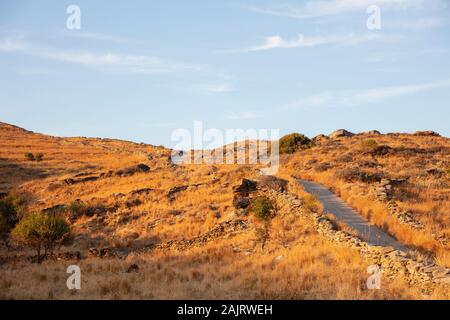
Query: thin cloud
[
  {"x": 109, "y": 61},
  {"x": 321, "y": 8},
  {"x": 355, "y": 98},
  {"x": 277, "y": 42}
]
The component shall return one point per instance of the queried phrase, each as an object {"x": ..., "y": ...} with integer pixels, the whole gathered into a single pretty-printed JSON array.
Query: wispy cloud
[
  {"x": 418, "y": 24},
  {"x": 221, "y": 88},
  {"x": 277, "y": 42},
  {"x": 322, "y": 8},
  {"x": 355, "y": 98},
  {"x": 109, "y": 61},
  {"x": 243, "y": 115},
  {"x": 96, "y": 36}
]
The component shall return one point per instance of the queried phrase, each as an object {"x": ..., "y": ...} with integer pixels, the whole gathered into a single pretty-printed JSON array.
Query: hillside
[{"x": 145, "y": 228}]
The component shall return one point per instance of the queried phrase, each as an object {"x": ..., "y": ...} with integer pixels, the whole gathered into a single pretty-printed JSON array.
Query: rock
[
  {"x": 341, "y": 133},
  {"x": 374, "y": 132},
  {"x": 273, "y": 183},
  {"x": 443, "y": 280},
  {"x": 320, "y": 138},
  {"x": 173, "y": 191},
  {"x": 440, "y": 272},
  {"x": 427, "y": 133},
  {"x": 240, "y": 202},
  {"x": 133, "y": 268},
  {"x": 245, "y": 187},
  {"x": 132, "y": 170}
]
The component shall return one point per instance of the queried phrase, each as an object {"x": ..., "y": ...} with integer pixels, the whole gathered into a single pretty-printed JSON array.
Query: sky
[{"x": 138, "y": 70}]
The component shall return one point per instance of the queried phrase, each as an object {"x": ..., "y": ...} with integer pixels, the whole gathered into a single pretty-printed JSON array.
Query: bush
[
  {"x": 39, "y": 157},
  {"x": 261, "y": 207},
  {"x": 11, "y": 209},
  {"x": 292, "y": 142},
  {"x": 368, "y": 145},
  {"x": 29, "y": 156},
  {"x": 42, "y": 231}
]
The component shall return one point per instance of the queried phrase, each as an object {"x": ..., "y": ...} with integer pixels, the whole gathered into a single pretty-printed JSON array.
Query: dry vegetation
[
  {"x": 132, "y": 211},
  {"x": 353, "y": 166}
]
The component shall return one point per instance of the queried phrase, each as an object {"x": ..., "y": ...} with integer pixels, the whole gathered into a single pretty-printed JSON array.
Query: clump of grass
[
  {"x": 311, "y": 203},
  {"x": 368, "y": 145}
]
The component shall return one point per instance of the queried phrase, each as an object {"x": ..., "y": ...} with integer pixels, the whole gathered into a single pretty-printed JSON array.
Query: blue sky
[{"x": 138, "y": 70}]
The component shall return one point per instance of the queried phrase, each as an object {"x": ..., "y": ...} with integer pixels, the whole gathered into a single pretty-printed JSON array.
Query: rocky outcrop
[
  {"x": 320, "y": 138},
  {"x": 341, "y": 133},
  {"x": 272, "y": 182},
  {"x": 427, "y": 133}
]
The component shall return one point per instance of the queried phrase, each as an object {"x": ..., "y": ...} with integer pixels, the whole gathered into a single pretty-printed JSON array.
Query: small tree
[
  {"x": 261, "y": 207},
  {"x": 42, "y": 232},
  {"x": 292, "y": 142}
]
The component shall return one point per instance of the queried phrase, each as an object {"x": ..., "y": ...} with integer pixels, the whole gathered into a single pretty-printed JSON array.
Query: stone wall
[{"x": 393, "y": 263}]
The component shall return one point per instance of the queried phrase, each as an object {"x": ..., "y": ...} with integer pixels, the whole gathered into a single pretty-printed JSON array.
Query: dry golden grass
[
  {"x": 295, "y": 262},
  {"x": 425, "y": 195}
]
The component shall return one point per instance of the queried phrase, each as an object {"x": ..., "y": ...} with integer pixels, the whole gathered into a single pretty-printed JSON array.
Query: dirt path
[{"x": 345, "y": 214}]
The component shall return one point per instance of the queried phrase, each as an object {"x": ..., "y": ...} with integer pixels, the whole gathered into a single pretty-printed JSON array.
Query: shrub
[
  {"x": 42, "y": 231},
  {"x": 39, "y": 157},
  {"x": 368, "y": 145},
  {"x": 293, "y": 142},
  {"x": 29, "y": 156},
  {"x": 261, "y": 207},
  {"x": 11, "y": 209}
]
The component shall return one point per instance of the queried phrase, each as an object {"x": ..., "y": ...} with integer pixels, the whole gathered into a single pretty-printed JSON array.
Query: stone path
[{"x": 345, "y": 214}]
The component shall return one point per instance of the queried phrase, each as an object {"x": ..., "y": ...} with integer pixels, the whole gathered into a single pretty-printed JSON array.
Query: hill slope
[{"x": 145, "y": 228}]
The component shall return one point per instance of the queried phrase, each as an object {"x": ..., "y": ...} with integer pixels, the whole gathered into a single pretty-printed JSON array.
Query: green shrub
[
  {"x": 368, "y": 145},
  {"x": 261, "y": 207},
  {"x": 42, "y": 231},
  {"x": 11, "y": 209},
  {"x": 29, "y": 156},
  {"x": 292, "y": 142}
]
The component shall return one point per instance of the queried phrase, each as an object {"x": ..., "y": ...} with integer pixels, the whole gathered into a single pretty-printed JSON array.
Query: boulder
[
  {"x": 320, "y": 138},
  {"x": 341, "y": 133},
  {"x": 245, "y": 187},
  {"x": 240, "y": 202},
  {"x": 373, "y": 132},
  {"x": 272, "y": 182}
]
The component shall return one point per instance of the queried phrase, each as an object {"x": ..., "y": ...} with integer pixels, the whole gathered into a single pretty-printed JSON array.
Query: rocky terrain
[{"x": 145, "y": 228}]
